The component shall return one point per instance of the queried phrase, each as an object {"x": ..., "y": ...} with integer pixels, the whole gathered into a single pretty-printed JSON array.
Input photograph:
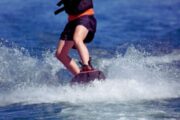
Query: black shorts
[{"x": 87, "y": 21}]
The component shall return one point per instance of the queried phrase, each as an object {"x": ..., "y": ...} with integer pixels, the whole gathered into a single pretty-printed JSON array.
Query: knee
[
  {"x": 77, "y": 41},
  {"x": 57, "y": 54},
  {"x": 60, "y": 56}
]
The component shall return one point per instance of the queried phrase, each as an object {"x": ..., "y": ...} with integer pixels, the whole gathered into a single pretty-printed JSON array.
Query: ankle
[{"x": 85, "y": 68}]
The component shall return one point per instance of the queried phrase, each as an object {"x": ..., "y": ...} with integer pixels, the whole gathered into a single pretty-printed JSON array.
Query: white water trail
[{"x": 131, "y": 77}]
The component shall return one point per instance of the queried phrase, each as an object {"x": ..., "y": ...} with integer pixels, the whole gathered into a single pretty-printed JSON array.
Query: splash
[{"x": 131, "y": 77}]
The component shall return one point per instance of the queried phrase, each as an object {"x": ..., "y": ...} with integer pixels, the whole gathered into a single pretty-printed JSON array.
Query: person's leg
[
  {"x": 62, "y": 54},
  {"x": 79, "y": 36}
]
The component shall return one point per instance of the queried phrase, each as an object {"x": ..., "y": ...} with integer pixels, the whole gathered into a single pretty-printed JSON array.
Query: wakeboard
[{"x": 88, "y": 76}]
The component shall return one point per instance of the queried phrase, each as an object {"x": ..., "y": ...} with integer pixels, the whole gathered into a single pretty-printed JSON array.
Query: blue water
[{"x": 137, "y": 45}]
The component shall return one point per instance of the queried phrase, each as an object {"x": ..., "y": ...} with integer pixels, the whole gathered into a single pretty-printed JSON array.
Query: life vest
[
  {"x": 74, "y": 7},
  {"x": 87, "y": 12}
]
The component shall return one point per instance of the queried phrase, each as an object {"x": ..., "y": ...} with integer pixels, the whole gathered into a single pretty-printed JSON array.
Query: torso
[
  {"x": 87, "y": 12},
  {"x": 78, "y": 8}
]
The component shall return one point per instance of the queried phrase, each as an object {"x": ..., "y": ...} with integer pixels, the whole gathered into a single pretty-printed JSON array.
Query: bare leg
[
  {"x": 62, "y": 54},
  {"x": 79, "y": 36}
]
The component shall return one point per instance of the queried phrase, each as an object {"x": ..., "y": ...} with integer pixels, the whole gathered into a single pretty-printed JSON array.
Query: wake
[{"x": 134, "y": 76}]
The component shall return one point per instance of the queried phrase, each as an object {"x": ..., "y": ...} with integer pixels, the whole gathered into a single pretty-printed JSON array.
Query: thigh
[
  {"x": 80, "y": 33},
  {"x": 68, "y": 31}
]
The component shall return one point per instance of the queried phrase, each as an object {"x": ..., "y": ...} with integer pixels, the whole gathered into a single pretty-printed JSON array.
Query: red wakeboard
[{"x": 86, "y": 77}]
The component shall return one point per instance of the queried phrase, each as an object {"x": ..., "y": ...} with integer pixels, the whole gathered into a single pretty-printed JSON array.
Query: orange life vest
[
  {"x": 76, "y": 8},
  {"x": 87, "y": 12}
]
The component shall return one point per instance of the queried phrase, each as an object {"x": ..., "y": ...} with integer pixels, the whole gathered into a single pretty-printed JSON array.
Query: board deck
[{"x": 86, "y": 77}]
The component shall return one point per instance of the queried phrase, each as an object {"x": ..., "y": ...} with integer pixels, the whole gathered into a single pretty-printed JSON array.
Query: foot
[{"x": 86, "y": 68}]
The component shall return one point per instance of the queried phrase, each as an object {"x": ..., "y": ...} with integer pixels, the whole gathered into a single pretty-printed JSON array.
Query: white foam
[{"x": 131, "y": 77}]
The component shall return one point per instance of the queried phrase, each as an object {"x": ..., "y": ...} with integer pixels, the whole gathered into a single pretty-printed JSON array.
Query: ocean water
[{"x": 137, "y": 46}]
